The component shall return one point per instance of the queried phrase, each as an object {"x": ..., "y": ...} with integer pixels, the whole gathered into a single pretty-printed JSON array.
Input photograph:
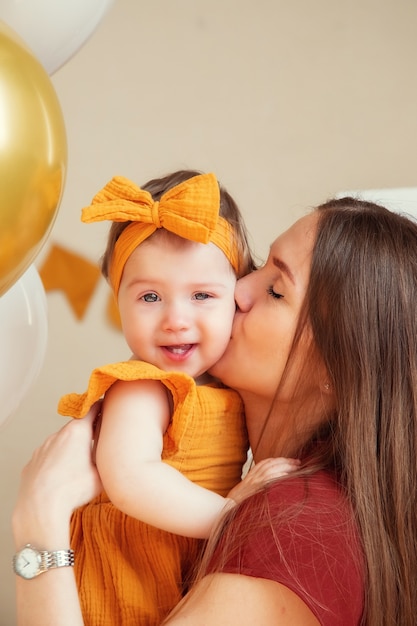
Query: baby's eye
[
  {"x": 273, "y": 293},
  {"x": 150, "y": 297},
  {"x": 201, "y": 296}
]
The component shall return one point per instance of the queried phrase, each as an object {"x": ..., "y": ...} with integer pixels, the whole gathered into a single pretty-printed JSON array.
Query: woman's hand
[
  {"x": 59, "y": 477},
  {"x": 260, "y": 474}
]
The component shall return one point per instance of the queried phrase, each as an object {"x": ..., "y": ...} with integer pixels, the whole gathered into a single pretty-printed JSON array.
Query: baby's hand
[{"x": 260, "y": 474}]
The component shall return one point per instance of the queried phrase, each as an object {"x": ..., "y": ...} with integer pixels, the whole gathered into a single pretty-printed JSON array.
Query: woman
[{"x": 324, "y": 355}]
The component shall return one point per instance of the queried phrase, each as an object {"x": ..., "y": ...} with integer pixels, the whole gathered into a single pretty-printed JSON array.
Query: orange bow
[{"x": 190, "y": 210}]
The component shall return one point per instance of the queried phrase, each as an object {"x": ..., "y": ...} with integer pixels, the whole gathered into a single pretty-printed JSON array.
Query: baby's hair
[{"x": 228, "y": 210}]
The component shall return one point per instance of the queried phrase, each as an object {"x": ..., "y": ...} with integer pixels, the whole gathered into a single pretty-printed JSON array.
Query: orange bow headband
[{"x": 190, "y": 210}]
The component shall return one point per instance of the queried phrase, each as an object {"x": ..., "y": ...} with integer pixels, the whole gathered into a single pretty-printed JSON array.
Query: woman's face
[{"x": 269, "y": 302}]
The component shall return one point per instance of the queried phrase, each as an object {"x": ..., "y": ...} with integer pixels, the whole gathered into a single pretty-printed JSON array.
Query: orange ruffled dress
[{"x": 128, "y": 572}]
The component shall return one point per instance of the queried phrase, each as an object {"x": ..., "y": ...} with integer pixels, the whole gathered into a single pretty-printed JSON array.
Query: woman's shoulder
[
  {"x": 317, "y": 489},
  {"x": 304, "y": 536}
]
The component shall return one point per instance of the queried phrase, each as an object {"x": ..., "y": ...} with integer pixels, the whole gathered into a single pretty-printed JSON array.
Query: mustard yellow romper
[{"x": 128, "y": 572}]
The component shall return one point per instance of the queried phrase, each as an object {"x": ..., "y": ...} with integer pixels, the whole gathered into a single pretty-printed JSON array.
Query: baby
[{"x": 172, "y": 440}]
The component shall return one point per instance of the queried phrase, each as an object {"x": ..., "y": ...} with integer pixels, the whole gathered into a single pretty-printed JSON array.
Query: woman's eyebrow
[{"x": 284, "y": 268}]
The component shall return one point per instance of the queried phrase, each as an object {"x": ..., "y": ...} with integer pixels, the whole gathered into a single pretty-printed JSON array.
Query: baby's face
[{"x": 176, "y": 303}]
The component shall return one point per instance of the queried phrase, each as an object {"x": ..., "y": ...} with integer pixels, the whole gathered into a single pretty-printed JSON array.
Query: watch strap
[{"x": 56, "y": 558}]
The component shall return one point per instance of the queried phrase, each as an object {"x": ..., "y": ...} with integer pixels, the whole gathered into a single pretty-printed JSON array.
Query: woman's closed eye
[{"x": 273, "y": 293}]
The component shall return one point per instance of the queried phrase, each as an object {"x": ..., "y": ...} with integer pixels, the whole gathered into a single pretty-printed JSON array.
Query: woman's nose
[{"x": 244, "y": 292}]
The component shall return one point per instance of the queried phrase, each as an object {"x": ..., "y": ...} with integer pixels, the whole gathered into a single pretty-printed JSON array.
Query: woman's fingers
[
  {"x": 61, "y": 469},
  {"x": 59, "y": 477}
]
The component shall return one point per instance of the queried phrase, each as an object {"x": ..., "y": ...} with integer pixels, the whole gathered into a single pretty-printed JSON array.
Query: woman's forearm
[
  {"x": 50, "y": 599},
  {"x": 59, "y": 478}
]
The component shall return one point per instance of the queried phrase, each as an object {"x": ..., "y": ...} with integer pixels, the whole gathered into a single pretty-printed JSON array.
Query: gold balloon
[{"x": 33, "y": 157}]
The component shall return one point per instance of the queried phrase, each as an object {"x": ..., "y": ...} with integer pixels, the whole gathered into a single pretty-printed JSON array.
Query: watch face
[{"x": 27, "y": 563}]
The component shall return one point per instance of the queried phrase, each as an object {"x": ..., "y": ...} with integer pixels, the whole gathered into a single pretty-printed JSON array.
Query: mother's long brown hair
[
  {"x": 362, "y": 302},
  {"x": 360, "y": 313}
]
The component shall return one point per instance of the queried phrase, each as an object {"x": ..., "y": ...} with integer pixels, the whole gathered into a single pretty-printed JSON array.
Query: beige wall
[{"x": 288, "y": 102}]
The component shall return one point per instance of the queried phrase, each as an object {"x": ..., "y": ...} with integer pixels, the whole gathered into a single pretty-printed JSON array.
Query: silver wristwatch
[{"x": 29, "y": 562}]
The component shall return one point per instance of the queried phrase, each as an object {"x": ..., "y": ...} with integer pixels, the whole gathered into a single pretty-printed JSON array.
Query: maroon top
[{"x": 319, "y": 555}]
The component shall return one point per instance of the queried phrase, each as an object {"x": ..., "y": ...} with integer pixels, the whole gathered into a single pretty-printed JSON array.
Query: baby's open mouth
[{"x": 181, "y": 349}]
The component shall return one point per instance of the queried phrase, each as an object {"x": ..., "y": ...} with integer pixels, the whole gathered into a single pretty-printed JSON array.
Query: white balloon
[
  {"x": 23, "y": 339},
  {"x": 54, "y": 29}
]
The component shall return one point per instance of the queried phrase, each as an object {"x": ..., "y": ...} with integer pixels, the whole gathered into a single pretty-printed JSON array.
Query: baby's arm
[{"x": 135, "y": 417}]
